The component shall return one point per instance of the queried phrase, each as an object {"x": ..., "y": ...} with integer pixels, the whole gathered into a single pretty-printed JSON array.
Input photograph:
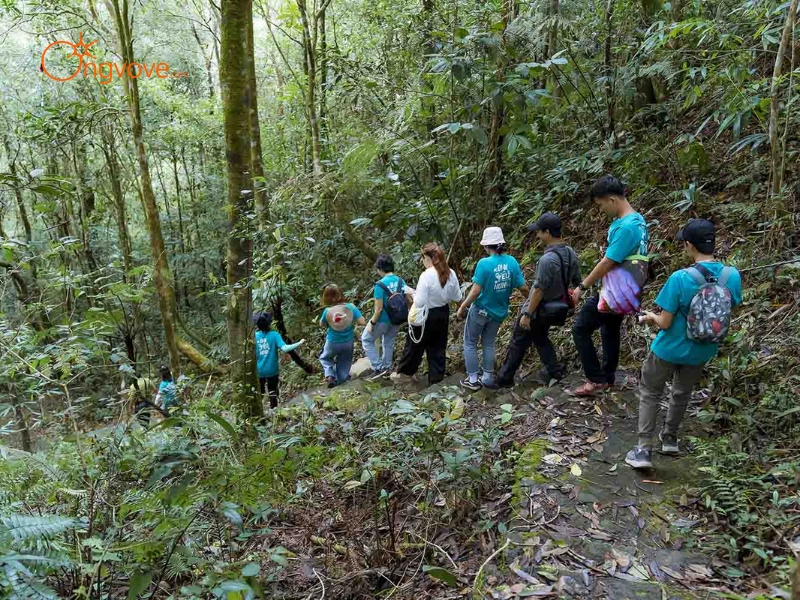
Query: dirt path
[{"x": 582, "y": 523}]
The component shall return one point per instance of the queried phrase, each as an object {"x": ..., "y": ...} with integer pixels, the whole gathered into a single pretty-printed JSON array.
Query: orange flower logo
[
  {"x": 80, "y": 50},
  {"x": 104, "y": 72}
]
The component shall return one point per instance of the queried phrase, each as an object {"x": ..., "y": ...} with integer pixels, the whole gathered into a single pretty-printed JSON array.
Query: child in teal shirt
[
  {"x": 340, "y": 319},
  {"x": 167, "y": 392},
  {"x": 674, "y": 355},
  {"x": 268, "y": 343},
  {"x": 496, "y": 276}
]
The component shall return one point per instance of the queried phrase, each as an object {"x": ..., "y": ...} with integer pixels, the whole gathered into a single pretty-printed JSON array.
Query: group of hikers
[{"x": 695, "y": 308}]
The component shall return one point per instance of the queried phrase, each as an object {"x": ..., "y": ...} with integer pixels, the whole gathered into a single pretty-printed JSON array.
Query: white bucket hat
[{"x": 492, "y": 236}]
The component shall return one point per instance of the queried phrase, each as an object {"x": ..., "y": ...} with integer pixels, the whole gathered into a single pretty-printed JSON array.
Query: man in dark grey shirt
[{"x": 558, "y": 270}]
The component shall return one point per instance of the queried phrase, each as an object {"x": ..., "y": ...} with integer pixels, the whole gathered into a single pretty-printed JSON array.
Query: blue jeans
[
  {"x": 336, "y": 359},
  {"x": 387, "y": 334},
  {"x": 480, "y": 326}
]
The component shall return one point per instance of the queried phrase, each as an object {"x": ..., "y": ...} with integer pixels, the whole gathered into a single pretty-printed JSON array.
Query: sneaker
[
  {"x": 470, "y": 385},
  {"x": 399, "y": 377},
  {"x": 506, "y": 385},
  {"x": 379, "y": 374},
  {"x": 669, "y": 443},
  {"x": 639, "y": 458},
  {"x": 490, "y": 385},
  {"x": 330, "y": 381}
]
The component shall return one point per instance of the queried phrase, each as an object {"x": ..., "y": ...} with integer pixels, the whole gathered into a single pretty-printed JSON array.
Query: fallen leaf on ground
[
  {"x": 575, "y": 469},
  {"x": 599, "y": 535},
  {"x": 651, "y": 481},
  {"x": 671, "y": 573},
  {"x": 664, "y": 533},
  {"x": 526, "y": 576},
  {"x": 552, "y": 459},
  {"x": 685, "y": 523},
  {"x": 656, "y": 571},
  {"x": 612, "y": 469}
]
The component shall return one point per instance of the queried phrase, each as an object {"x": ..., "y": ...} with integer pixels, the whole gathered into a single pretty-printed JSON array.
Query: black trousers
[
  {"x": 143, "y": 412},
  {"x": 433, "y": 344},
  {"x": 521, "y": 340},
  {"x": 272, "y": 384},
  {"x": 588, "y": 321}
]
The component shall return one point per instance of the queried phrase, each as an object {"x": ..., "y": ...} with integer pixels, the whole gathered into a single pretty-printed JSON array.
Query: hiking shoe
[
  {"x": 470, "y": 385},
  {"x": 400, "y": 377},
  {"x": 590, "y": 388},
  {"x": 330, "y": 381},
  {"x": 639, "y": 458},
  {"x": 507, "y": 385},
  {"x": 380, "y": 374},
  {"x": 669, "y": 443}
]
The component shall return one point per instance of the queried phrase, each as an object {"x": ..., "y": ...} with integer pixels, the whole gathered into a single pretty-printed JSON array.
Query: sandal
[{"x": 590, "y": 388}]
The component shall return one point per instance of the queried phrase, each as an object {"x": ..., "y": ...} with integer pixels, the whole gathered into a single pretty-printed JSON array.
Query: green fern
[{"x": 24, "y": 527}]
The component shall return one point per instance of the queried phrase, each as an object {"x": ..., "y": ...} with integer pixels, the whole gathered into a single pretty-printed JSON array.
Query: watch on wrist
[{"x": 527, "y": 314}]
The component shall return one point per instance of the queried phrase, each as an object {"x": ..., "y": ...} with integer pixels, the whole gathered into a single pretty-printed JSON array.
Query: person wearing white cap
[{"x": 486, "y": 307}]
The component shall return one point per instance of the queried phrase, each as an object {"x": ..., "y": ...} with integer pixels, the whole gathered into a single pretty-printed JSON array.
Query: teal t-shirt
[
  {"x": 168, "y": 391},
  {"x": 395, "y": 284},
  {"x": 672, "y": 344},
  {"x": 340, "y": 337},
  {"x": 267, "y": 345},
  {"x": 627, "y": 236},
  {"x": 498, "y": 275}
]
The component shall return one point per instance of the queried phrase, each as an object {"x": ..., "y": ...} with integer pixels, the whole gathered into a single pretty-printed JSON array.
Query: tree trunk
[
  {"x": 608, "y": 70},
  {"x": 166, "y": 295},
  {"x": 256, "y": 161},
  {"x": 323, "y": 76},
  {"x": 236, "y": 101},
  {"x": 494, "y": 152},
  {"x": 123, "y": 235},
  {"x": 310, "y": 52},
  {"x": 775, "y": 146}
]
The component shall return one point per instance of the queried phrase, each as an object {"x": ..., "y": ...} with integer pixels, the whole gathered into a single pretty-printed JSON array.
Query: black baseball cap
[
  {"x": 701, "y": 233},
  {"x": 547, "y": 222}
]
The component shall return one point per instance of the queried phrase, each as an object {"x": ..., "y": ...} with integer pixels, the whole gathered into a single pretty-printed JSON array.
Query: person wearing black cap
[
  {"x": 548, "y": 303},
  {"x": 695, "y": 313}
]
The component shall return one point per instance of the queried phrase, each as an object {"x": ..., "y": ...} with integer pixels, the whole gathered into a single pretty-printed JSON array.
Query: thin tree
[
  {"x": 237, "y": 97},
  {"x": 166, "y": 294}
]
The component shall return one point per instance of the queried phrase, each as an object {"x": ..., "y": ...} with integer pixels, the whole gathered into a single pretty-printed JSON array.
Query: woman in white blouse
[{"x": 437, "y": 287}]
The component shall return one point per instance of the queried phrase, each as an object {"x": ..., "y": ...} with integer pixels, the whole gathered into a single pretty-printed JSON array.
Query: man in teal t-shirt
[
  {"x": 673, "y": 355},
  {"x": 627, "y": 236},
  {"x": 380, "y": 328},
  {"x": 496, "y": 276}
]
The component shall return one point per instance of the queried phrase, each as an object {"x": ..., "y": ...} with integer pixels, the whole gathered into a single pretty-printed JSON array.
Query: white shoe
[{"x": 378, "y": 375}]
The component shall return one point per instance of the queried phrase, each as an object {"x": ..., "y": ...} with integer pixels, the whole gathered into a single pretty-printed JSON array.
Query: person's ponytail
[{"x": 439, "y": 260}]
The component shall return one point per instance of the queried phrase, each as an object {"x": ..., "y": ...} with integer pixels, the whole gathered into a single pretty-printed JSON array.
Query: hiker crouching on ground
[
  {"x": 391, "y": 312},
  {"x": 340, "y": 319},
  {"x": 623, "y": 271},
  {"x": 268, "y": 342},
  {"x": 549, "y": 304},
  {"x": 695, "y": 315},
  {"x": 486, "y": 307}
]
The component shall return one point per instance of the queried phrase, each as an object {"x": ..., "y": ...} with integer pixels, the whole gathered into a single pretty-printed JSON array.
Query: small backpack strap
[
  {"x": 725, "y": 275},
  {"x": 697, "y": 274},
  {"x": 386, "y": 290}
]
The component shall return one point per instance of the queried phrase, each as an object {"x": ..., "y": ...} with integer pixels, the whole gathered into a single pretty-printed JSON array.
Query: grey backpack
[{"x": 709, "y": 316}]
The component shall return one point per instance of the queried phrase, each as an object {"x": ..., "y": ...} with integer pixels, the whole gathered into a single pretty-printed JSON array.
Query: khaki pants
[{"x": 655, "y": 374}]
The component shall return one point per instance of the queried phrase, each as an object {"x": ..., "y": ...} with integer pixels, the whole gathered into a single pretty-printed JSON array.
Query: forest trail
[{"x": 581, "y": 523}]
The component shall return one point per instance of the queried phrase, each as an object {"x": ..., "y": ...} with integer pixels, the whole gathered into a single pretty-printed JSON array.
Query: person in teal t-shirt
[
  {"x": 380, "y": 328},
  {"x": 340, "y": 318},
  {"x": 627, "y": 237},
  {"x": 268, "y": 342},
  {"x": 673, "y": 355},
  {"x": 166, "y": 397},
  {"x": 496, "y": 276}
]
